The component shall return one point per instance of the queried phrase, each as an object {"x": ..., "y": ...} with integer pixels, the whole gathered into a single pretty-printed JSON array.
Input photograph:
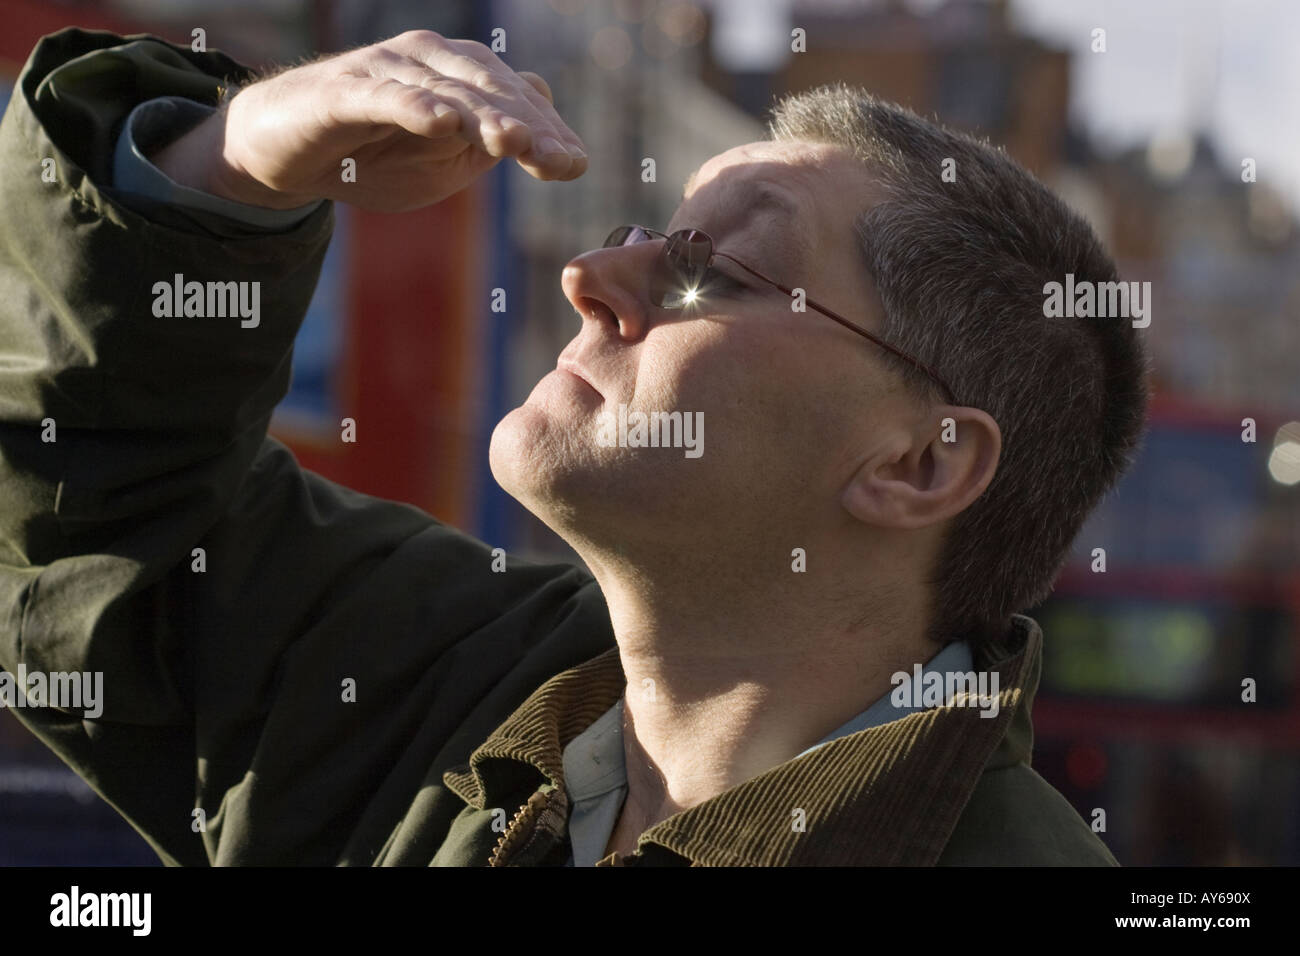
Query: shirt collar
[
  {"x": 887, "y": 795},
  {"x": 955, "y": 657},
  {"x": 594, "y": 760}
]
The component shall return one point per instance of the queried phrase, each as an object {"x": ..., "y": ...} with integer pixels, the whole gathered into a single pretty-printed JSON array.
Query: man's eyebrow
[
  {"x": 772, "y": 202},
  {"x": 756, "y": 194},
  {"x": 759, "y": 196},
  {"x": 763, "y": 196}
]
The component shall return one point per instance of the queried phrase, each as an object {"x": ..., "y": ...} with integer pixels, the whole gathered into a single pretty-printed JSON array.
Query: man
[{"x": 901, "y": 448}]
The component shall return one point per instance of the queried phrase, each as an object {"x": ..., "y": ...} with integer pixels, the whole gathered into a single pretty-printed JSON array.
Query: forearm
[{"x": 125, "y": 428}]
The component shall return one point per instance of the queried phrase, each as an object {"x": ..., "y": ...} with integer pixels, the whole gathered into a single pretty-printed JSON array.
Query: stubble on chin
[{"x": 543, "y": 463}]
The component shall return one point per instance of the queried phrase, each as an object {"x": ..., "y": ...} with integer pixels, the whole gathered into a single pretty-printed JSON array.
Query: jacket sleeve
[{"x": 128, "y": 441}]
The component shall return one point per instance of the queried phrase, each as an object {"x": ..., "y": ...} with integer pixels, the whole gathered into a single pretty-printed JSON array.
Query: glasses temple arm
[{"x": 916, "y": 363}]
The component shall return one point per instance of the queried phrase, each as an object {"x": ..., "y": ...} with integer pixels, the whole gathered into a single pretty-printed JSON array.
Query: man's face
[{"x": 789, "y": 401}]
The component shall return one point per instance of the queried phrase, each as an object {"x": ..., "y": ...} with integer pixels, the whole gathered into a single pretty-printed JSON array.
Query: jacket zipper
[{"x": 518, "y": 837}]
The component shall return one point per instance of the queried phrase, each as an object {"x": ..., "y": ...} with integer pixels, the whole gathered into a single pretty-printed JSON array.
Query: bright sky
[{"x": 1229, "y": 66}]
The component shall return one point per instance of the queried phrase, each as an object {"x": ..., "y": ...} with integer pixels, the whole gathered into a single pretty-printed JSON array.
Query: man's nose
[{"x": 611, "y": 285}]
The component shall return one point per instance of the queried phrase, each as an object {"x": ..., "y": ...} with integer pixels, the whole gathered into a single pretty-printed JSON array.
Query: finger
[
  {"x": 383, "y": 102},
  {"x": 538, "y": 92},
  {"x": 534, "y": 87},
  {"x": 541, "y": 97},
  {"x": 498, "y": 128},
  {"x": 550, "y": 134},
  {"x": 502, "y": 124},
  {"x": 538, "y": 84},
  {"x": 475, "y": 64}
]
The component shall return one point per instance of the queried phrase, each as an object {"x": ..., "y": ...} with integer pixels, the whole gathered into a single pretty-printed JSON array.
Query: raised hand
[{"x": 420, "y": 115}]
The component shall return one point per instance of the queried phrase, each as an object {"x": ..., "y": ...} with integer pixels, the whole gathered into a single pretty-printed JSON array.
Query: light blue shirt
[{"x": 596, "y": 777}]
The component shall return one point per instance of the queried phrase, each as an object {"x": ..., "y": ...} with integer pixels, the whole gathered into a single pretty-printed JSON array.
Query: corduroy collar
[{"x": 885, "y": 796}]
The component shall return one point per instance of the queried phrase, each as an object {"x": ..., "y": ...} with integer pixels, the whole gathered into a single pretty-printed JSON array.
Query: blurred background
[{"x": 1140, "y": 713}]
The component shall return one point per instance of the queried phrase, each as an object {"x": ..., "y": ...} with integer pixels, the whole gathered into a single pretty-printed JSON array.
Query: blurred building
[{"x": 964, "y": 64}]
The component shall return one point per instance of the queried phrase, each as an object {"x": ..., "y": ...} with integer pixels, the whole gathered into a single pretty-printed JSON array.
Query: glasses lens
[
  {"x": 681, "y": 268},
  {"x": 620, "y": 236}
]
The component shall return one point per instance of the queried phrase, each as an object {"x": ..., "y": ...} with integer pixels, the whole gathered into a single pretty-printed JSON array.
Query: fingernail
[
  {"x": 509, "y": 123},
  {"x": 549, "y": 146}
]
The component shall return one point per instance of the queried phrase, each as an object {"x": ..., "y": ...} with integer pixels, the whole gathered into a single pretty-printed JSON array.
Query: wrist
[{"x": 203, "y": 159}]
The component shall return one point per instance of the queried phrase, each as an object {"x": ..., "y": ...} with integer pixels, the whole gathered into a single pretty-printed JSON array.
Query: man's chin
[
  {"x": 549, "y": 456},
  {"x": 537, "y": 459}
]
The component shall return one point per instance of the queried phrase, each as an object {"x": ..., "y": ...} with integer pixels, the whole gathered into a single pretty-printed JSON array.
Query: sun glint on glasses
[{"x": 682, "y": 271}]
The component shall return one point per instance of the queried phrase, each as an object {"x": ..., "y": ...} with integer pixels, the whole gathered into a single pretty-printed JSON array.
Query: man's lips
[{"x": 578, "y": 372}]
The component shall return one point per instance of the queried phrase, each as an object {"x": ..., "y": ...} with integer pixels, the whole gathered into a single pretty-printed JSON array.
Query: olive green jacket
[{"x": 128, "y": 442}]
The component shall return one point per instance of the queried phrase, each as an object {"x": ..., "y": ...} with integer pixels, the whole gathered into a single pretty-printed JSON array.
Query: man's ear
[{"x": 930, "y": 473}]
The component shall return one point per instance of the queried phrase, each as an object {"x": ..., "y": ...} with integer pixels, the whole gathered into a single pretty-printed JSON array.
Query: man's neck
[{"x": 719, "y": 691}]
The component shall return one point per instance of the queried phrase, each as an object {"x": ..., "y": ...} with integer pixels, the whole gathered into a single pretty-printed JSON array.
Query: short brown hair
[{"x": 960, "y": 268}]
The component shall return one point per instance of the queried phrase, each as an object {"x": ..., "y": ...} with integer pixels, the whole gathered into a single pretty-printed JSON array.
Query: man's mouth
[{"x": 567, "y": 367}]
